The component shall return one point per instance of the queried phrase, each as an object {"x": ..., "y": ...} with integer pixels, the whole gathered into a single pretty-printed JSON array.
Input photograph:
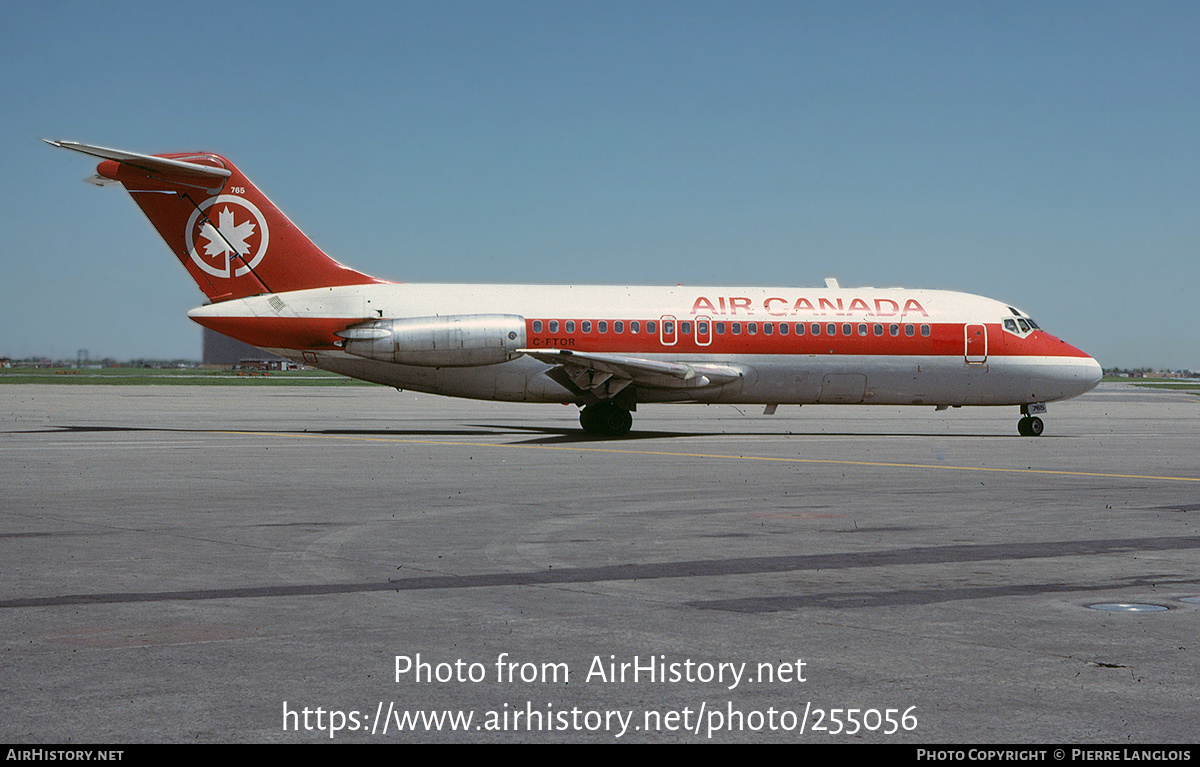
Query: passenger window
[
  {"x": 570, "y": 326},
  {"x": 831, "y": 329},
  {"x": 735, "y": 328},
  {"x": 685, "y": 328},
  {"x": 602, "y": 326},
  {"x": 894, "y": 330},
  {"x": 650, "y": 325},
  {"x": 553, "y": 326},
  {"x": 586, "y": 326},
  {"x": 816, "y": 329},
  {"x": 862, "y": 329},
  {"x": 635, "y": 327},
  {"x": 799, "y": 328},
  {"x": 537, "y": 326},
  {"x": 618, "y": 326},
  {"x": 783, "y": 328},
  {"x": 720, "y": 326},
  {"x": 925, "y": 330},
  {"x": 909, "y": 330},
  {"x": 752, "y": 328},
  {"x": 668, "y": 327},
  {"x": 878, "y": 329}
]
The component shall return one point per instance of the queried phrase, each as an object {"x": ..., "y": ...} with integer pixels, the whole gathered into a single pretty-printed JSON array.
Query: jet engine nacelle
[{"x": 456, "y": 340}]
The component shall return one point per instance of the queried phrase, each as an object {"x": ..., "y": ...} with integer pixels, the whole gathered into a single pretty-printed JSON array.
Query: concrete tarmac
[{"x": 195, "y": 564}]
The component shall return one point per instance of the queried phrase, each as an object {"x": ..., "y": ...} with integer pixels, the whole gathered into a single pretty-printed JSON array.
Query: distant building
[{"x": 223, "y": 350}]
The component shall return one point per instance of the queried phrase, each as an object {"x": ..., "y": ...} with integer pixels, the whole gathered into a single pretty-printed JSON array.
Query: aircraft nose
[
  {"x": 1075, "y": 372},
  {"x": 1069, "y": 378},
  {"x": 1080, "y": 376},
  {"x": 1091, "y": 375}
]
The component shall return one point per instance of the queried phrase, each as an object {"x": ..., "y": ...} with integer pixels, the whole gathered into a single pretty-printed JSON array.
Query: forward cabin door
[{"x": 976, "y": 341}]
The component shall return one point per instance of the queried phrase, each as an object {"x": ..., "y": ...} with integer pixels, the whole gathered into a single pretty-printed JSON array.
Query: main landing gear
[{"x": 605, "y": 419}]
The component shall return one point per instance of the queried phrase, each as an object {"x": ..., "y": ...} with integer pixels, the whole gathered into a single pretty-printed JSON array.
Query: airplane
[{"x": 605, "y": 349}]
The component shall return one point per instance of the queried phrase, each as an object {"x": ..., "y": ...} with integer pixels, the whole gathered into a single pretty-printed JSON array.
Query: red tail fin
[{"x": 225, "y": 232}]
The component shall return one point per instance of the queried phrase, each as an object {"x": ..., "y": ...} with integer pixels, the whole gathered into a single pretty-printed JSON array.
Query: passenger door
[{"x": 976, "y": 344}]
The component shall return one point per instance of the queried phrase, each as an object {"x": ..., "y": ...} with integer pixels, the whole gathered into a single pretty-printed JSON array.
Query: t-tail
[{"x": 227, "y": 234}]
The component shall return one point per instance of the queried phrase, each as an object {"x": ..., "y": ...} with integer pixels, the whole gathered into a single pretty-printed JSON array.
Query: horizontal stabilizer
[{"x": 148, "y": 162}]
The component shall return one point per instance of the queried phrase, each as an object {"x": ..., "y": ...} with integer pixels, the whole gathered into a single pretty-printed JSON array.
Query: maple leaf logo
[
  {"x": 228, "y": 237},
  {"x": 234, "y": 240}
]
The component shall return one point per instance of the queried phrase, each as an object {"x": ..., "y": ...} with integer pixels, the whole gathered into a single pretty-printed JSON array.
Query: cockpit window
[{"x": 1019, "y": 324}]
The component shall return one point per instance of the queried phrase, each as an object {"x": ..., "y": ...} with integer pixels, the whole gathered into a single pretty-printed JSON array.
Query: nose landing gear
[{"x": 1030, "y": 425}]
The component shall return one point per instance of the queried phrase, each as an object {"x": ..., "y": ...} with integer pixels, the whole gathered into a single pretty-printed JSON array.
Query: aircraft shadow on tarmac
[
  {"x": 473, "y": 430},
  {"x": 550, "y": 435},
  {"x": 562, "y": 436}
]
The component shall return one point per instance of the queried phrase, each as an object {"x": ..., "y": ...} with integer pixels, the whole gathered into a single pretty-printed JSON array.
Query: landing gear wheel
[
  {"x": 587, "y": 419},
  {"x": 606, "y": 419},
  {"x": 1030, "y": 426}
]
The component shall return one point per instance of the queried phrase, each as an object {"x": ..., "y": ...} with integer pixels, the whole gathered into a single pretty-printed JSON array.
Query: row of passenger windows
[{"x": 704, "y": 328}]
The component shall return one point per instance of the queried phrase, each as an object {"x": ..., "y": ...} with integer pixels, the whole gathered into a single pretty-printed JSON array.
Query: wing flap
[{"x": 607, "y": 374}]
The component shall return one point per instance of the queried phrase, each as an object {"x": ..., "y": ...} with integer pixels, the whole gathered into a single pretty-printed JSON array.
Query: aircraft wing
[{"x": 604, "y": 375}]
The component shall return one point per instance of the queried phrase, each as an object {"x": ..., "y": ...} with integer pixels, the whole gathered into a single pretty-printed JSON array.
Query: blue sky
[{"x": 1043, "y": 153}]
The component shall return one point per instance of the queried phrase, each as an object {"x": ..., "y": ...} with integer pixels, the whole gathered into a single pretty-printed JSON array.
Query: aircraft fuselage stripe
[{"x": 944, "y": 339}]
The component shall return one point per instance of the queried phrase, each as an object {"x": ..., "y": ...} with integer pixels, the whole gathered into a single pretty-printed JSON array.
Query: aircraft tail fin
[{"x": 232, "y": 240}]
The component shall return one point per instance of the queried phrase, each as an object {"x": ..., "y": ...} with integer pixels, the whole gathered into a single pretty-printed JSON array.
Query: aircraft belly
[
  {"x": 869, "y": 379},
  {"x": 769, "y": 379},
  {"x": 520, "y": 380},
  {"x": 947, "y": 380},
  {"x": 843, "y": 388}
]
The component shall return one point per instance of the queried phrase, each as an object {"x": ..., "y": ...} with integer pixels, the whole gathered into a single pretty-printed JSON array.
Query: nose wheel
[
  {"x": 1030, "y": 426},
  {"x": 606, "y": 419}
]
